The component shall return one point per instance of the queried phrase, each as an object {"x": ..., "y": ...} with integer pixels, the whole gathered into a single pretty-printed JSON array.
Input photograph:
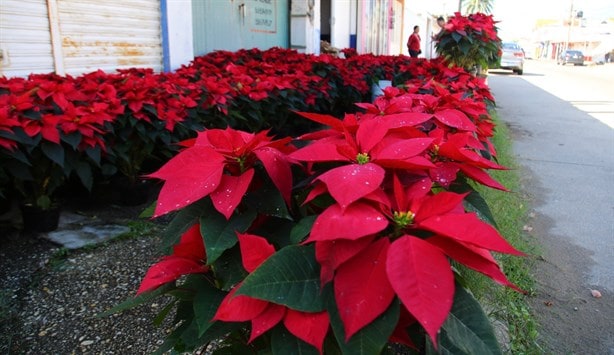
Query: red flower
[
  {"x": 188, "y": 257},
  {"x": 47, "y": 126},
  {"x": 369, "y": 150},
  {"x": 220, "y": 164},
  {"x": 309, "y": 327}
]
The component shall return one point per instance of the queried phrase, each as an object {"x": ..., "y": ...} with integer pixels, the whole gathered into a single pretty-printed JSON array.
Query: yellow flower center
[
  {"x": 403, "y": 219},
  {"x": 362, "y": 158}
]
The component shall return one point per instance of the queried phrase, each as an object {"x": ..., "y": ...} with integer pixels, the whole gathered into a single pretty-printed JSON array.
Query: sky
[{"x": 517, "y": 17}]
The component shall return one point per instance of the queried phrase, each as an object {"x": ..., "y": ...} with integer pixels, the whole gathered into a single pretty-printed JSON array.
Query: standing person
[
  {"x": 413, "y": 43},
  {"x": 440, "y": 23},
  {"x": 435, "y": 36}
]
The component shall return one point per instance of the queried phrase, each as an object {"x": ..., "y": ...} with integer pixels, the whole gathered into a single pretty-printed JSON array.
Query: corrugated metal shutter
[
  {"x": 25, "y": 40},
  {"x": 110, "y": 34}
]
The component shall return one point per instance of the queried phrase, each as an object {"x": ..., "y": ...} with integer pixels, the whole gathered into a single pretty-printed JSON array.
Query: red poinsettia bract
[
  {"x": 188, "y": 257},
  {"x": 220, "y": 164},
  {"x": 411, "y": 262},
  {"x": 264, "y": 315}
]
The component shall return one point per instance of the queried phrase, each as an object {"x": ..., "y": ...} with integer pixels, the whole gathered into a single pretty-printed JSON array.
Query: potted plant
[
  {"x": 58, "y": 131},
  {"x": 340, "y": 246},
  {"x": 469, "y": 42},
  {"x": 147, "y": 130}
]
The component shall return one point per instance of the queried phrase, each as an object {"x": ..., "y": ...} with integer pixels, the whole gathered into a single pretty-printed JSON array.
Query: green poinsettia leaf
[
  {"x": 302, "y": 229},
  {"x": 268, "y": 201},
  {"x": 184, "y": 219},
  {"x": 290, "y": 277},
  {"x": 369, "y": 340},
  {"x": 73, "y": 139},
  {"x": 185, "y": 337},
  {"x": 456, "y": 36},
  {"x": 18, "y": 169},
  {"x": 20, "y": 157},
  {"x": 228, "y": 269},
  {"x": 84, "y": 171},
  {"x": 467, "y": 329},
  {"x": 54, "y": 152},
  {"x": 206, "y": 302},
  {"x": 474, "y": 202},
  {"x": 282, "y": 343},
  {"x": 220, "y": 234},
  {"x": 109, "y": 170},
  {"x": 138, "y": 300},
  {"x": 148, "y": 211},
  {"x": 94, "y": 153}
]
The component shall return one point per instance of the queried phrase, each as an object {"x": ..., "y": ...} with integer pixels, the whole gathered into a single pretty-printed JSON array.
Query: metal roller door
[{"x": 78, "y": 36}]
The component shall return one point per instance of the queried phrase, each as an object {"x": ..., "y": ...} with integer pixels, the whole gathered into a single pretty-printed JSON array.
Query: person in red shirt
[{"x": 413, "y": 43}]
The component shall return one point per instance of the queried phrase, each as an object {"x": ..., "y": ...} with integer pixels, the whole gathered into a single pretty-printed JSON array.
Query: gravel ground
[{"x": 49, "y": 298}]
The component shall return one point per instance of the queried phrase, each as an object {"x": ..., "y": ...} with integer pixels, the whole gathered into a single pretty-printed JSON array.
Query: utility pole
[{"x": 569, "y": 28}]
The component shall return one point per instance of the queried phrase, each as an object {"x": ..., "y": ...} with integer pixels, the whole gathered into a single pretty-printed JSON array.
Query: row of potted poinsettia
[
  {"x": 342, "y": 240},
  {"x": 103, "y": 124}
]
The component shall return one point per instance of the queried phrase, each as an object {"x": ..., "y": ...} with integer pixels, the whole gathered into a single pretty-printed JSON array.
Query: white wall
[
  {"x": 179, "y": 45},
  {"x": 305, "y": 26},
  {"x": 340, "y": 23}
]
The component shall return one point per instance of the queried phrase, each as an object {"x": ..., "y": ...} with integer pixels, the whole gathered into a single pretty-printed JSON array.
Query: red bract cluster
[
  {"x": 220, "y": 163},
  {"x": 469, "y": 42},
  {"x": 392, "y": 160},
  {"x": 351, "y": 227},
  {"x": 122, "y": 119},
  {"x": 51, "y": 106},
  {"x": 482, "y": 26},
  {"x": 383, "y": 190}
]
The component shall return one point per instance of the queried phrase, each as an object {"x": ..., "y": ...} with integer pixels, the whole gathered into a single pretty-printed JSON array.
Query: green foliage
[
  {"x": 469, "y": 41},
  {"x": 290, "y": 277},
  {"x": 510, "y": 210}
]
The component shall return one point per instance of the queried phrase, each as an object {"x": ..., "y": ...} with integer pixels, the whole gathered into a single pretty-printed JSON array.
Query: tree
[{"x": 473, "y": 6}]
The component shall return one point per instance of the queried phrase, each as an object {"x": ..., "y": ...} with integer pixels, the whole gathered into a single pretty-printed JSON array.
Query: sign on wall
[{"x": 264, "y": 16}]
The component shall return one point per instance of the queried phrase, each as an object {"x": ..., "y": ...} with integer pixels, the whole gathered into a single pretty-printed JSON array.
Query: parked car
[
  {"x": 512, "y": 57},
  {"x": 572, "y": 56}
]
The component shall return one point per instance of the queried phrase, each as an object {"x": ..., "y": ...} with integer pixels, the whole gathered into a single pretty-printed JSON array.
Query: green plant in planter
[
  {"x": 469, "y": 42},
  {"x": 341, "y": 246}
]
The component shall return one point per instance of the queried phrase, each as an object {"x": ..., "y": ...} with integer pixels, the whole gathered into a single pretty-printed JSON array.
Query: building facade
[{"x": 78, "y": 36}]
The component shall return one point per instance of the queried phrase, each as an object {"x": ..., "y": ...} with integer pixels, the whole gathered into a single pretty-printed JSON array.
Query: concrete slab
[
  {"x": 76, "y": 231},
  {"x": 86, "y": 235}
]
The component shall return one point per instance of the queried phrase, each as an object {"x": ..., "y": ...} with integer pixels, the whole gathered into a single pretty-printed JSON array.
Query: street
[{"x": 562, "y": 122}]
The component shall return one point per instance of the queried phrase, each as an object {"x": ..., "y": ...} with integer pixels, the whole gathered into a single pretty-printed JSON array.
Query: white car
[{"x": 512, "y": 57}]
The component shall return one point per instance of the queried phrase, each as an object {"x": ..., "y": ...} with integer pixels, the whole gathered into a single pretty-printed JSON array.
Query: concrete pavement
[
  {"x": 565, "y": 146},
  {"x": 571, "y": 152}
]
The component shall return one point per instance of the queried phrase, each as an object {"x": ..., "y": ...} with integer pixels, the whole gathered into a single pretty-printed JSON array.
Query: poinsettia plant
[
  {"x": 56, "y": 129},
  {"x": 469, "y": 41},
  {"x": 342, "y": 240},
  {"x": 152, "y": 121}
]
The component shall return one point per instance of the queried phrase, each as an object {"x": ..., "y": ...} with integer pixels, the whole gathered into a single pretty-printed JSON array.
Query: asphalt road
[{"x": 562, "y": 122}]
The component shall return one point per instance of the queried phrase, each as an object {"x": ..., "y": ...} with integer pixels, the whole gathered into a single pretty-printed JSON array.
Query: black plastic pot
[{"x": 36, "y": 219}]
